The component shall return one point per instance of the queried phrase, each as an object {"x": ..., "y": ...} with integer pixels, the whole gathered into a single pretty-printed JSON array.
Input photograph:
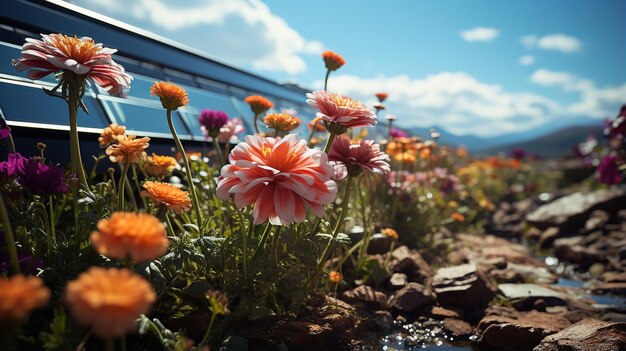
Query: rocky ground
[{"x": 488, "y": 292}]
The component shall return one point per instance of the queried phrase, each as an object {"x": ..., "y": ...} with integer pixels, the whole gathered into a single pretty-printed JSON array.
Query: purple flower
[
  {"x": 212, "y": 120},
  {"x": 398, "y": 133},
  {"x": 608, "y": 171},
  {"x": 28, "y": 263},
  {"x": 12, "y": 167},
  {"x": 518, "y": 154},
  {"x": 5, "y": 130},
  {"x": 42, "y": 179}
]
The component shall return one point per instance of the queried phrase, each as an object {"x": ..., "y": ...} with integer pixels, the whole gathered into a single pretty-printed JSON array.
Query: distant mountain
[{"x": 555, "y": 144}]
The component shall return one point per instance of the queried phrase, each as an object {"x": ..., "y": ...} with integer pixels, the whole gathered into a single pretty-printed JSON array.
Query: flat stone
[
  {"x": 614, "y": 277},
  {"x": 524, "y": 296},
  {"x": 570, "y": 213},
  {"x": 439, "y": 312},
  {"x": 457, "y": 327},
  {"x": 365, "y": 294},
  {"x": 548, "y": 236},
  {"x": 587, "y": 335},
  {"x": 614, "y": 288},
  {"x": 540, "y": 275},
  {"x": 412, "y": 297},
  {"x": 397, "y": 281},
  {"x": 411, "y": 263},
  {"x": 462, "y": 287}
]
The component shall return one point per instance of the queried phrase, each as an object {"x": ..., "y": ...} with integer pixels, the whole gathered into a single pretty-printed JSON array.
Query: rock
[
  {"x": 463, "y": 287},
  {"x": 540, "y": 275},
  {"x": 379, "y": 244},
  {"x": 365, "y": 294},
  {"x": 614, "y": 277},
  {"x": 572, "y": 250},
  {"x": 411, "y": 263},
  {"x": 457, "y": 327},
  {"x": 614, "y": 288},
  {"x": 412, "y": 297},
  {"x": 410, "y": 341},
  {"x": 596, "y": 220},
  {"x": 440, "y": 312},
  {"x": 397, "y": 281},
  {"x": 596, "y": 270},
  {"x": 576, "y": 315},
  {"x": 506, "y": 276},
  {"x": 614, "y": 317},
  {"x": 548, "y": 236},
  {"x": 518, "y": 330},
  {"x": 586, "y": 335},
  {"x": 570, "y": 213},
  {"x": 533, "y": 234},
  {"x": 524, "y": 296}
]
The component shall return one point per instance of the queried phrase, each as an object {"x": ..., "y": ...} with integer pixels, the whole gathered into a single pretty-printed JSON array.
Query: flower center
[{"x": 80, "y": 50}]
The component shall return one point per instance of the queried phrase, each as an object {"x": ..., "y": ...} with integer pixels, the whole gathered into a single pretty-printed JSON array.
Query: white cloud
[
  {"x": 238, "y": 31},
  {"x": 482, "y": 34},
  {"x": 527, "y": 60},
  {"x": 593, "y": 101},
  {"x": 554, "y": 42}
]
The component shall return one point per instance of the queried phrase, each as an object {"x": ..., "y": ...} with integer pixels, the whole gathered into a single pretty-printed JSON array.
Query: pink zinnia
[
  {"x": 229, "y": 132},
  {"x": 359, "y": 156},
  {"x": 340, "y": 111},
  {"x": 82, "y": 56},
  {"x": 280, "y": 176}
]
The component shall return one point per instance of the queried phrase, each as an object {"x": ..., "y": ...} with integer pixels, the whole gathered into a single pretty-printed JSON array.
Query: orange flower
[
  {"x": 381, "y": 96},
  {"x": 461, "y": 152},
  {"x": 259, "y": 104},
  {"x": 457, "y": 217},
  {"x": 109, "y": 134},
  {"x": 167, "y": 194},
  {"x": 19, "y": 295},
  {"x": 109, "y": 300},
  {"x": 127, "y": 149},
  {"x": 139, "y": 236},
  {"x": 281, "y": 122},
  {"x": 333, "y": 60},
  {"x": 391, "y": 233},
  {"x": 172, "y": 96},
  {"x": 159, "y": 166},
  {"x": 317, "y": 124},
  {"x": 334, "y": 277}
]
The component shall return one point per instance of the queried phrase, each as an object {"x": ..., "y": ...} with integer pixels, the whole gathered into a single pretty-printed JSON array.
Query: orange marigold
[
  {"x": 334, "y": 277},
  {"x": 172, "y": 96},
  {"x": 109, "y": 134},
  {"x": 259, "y": 104},
  {"x": 281, "y": 122},
  {"x": 333, "y": 60},
  {"x": 381, "y": 96},
  {"x": 109, "y": 300},
  {"x": 168, "y": 195},
  {"x": 127, "y": 149},
  {"x": 457, "y": 217},
  {"x": 316, "y": 123},
  {"x": 159, "y": 166},
  {"x": 139, "y": 236},
  {"x": 19, "y": 295},
  {"x": 392, "y": 233}
]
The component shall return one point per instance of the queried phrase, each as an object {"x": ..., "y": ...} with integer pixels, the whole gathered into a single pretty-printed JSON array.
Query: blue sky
[{"x": 471, "y": 67}]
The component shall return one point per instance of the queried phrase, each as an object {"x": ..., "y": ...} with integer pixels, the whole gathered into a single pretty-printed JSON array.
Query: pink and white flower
[
  {"x": 280, "y": 177},
  {"x": 341, "y": 110},
  {"x": 81, "y": 56},
  {"x": 359, "y": 156},
  {"x": 230, "y": 131}
]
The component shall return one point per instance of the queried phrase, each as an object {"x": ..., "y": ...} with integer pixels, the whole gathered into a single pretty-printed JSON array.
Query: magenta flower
[
  {"x": 280, "y": 177},
  {"x": 398, "y": 133},
  {"x": 42, "y": 179},
  {"x": 211, "y": 121},
  {"x": 229, "y": 132},
  {"x": 81, "y": 56},
  {"x": 12, "y": 167},
  {"x": 608, "y": 170},
  {"x": 340, "y": 113},
  {"x": 359, "y": 156},
  {"x": 5, "y": 130}
]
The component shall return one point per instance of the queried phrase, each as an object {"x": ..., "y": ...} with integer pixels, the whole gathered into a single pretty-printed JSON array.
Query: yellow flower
[
  {"x": 109, "y": 300},
  {"x": 139, "y": 236},
  {"x": 127, "y": 149},
  {"x": 159, "y": 166},
  {"x": 168, "y": 195},
  {"x": 172, "y": 96},
  {"x": 20, "y": 295}
]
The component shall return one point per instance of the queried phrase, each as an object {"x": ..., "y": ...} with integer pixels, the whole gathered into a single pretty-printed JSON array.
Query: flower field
[{"x": 264, "y": 237}]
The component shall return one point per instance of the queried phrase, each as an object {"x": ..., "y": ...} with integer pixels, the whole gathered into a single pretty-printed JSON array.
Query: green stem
[
  {"x": 218, "y": 151},
  {"x": 244, "y": 239},
  {"x": 52, "y": 221},
  {"x": 208, "y": 330},
  {"x": 77, "y": 163},
  {"x": 326, "y": 80},
  {"x": 312, "y": 133},
  {"x": 11, "y": 144},
  {"x": 329, "y": 143},
  {"x": 266, "y": 232},
  {"x": 344, "y": 210},
  {"x": 122, "y": 186},
  {"x": 192, "y": 190},
  {"x": 256, "y": 120},
  {"x": 136, "y": 180},
  {"x": 9, "y": 237}
]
